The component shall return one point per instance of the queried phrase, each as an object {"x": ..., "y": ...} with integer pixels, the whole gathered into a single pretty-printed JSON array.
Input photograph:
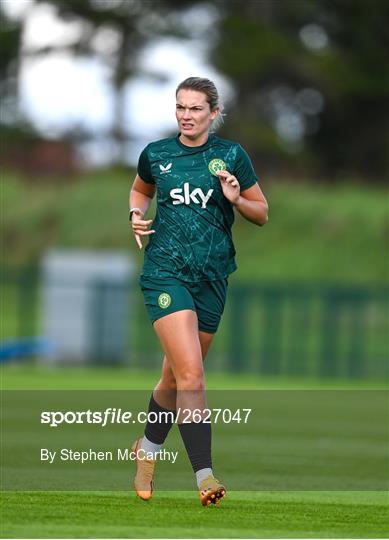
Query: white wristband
[{"x": 136, "y": 210}]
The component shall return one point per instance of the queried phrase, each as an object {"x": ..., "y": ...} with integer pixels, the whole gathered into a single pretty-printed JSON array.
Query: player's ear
[{"x": 215, "y": 112}]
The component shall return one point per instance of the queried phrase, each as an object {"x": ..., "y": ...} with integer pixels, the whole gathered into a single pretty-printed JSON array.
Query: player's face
[{"x": 194, "y": 115}]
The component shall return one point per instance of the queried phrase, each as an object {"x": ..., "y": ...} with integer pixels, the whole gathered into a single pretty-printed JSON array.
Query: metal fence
[
  {"x": 295, "y": 329},
  {"x": 309, "y": 330}
]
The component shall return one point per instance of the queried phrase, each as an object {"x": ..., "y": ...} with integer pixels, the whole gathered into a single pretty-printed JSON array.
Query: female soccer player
[{"x": 199, "y": 179}]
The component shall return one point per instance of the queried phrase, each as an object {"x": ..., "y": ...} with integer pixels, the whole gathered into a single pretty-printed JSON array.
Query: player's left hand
[{"x": 230, "y": 186}]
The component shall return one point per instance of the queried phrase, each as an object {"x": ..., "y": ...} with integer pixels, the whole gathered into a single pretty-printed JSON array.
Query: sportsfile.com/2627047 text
[{"x": 119, "y": 416}]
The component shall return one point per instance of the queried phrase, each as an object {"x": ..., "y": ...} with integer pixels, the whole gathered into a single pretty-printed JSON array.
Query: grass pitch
[
  {"x": 255, "y": 514},
  {"x": 179, "y": 515}
]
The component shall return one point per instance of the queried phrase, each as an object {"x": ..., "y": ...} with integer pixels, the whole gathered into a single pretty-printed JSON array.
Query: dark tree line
[
  {"x": 260, "y": 47},
  {"x": 310, "y": 77}
]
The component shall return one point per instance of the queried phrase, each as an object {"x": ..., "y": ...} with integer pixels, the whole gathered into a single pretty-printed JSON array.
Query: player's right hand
[{"x": 140, "y": 227}]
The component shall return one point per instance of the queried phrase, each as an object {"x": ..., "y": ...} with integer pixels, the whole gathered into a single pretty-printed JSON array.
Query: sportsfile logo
[
  {"x": 166, "y": 169},
  {"x": 185, "y": 196}
]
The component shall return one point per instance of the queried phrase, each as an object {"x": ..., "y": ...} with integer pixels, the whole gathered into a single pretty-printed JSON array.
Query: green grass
[
  {"x": 179, "y": 515},
  {"x": 315, "y": 232},
  {"x": 248, "y": 514},
  {"x": 27, "y": 376}
]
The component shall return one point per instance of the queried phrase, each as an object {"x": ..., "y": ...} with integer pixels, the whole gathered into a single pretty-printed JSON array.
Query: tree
[
  {"x": 10, "y": 45},
  {"x": 310, "y": 81},
  {"x": 127, "y": 26}
]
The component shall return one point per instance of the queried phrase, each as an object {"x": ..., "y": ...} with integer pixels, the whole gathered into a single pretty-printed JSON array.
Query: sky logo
[{"x": 185, "y": 196}]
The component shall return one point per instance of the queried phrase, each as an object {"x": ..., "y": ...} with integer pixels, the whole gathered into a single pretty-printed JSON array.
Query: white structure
[{"x": 86, "y": 297}]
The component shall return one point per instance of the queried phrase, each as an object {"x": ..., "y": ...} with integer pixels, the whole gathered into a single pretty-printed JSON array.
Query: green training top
[{"x": 192, "y": 239}]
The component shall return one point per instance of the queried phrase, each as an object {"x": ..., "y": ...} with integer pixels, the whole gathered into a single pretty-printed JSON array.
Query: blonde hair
[{"x": 207, "y": 87}]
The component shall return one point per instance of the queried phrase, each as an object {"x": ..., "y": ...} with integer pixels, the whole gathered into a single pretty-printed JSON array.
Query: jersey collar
[{"x": 195, "y": 148}]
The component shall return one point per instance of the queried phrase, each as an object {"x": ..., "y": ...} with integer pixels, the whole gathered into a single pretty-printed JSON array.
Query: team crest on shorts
[
  {"x": 164, "y": 300},
  {"x": 216, "y": 165}
]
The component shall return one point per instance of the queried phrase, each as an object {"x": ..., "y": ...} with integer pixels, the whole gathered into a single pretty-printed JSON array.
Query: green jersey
[{"x": 192, "y": 239}]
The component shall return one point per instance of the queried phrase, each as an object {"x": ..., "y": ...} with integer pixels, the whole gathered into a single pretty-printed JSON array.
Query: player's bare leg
[
  {"x": 178, "y": 334},
  {"x": 165, "y": 391}
]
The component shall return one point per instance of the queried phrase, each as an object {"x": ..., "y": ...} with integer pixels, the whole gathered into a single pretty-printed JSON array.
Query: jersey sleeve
[
  {"x": 144, "y": 168},
  {"x": 244, "y": 170}
]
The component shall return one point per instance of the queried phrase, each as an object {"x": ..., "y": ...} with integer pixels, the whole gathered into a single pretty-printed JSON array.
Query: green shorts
[{"x": 167, "y": 295}]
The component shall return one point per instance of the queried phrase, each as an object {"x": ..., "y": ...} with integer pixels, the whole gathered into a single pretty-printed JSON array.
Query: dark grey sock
[
  {"x": 197, "y": 441},
  {"x": 157, "y": 432}
]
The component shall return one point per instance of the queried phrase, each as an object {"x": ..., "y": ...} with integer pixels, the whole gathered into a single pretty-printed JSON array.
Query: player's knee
[{"x": 191, "y": 380}]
